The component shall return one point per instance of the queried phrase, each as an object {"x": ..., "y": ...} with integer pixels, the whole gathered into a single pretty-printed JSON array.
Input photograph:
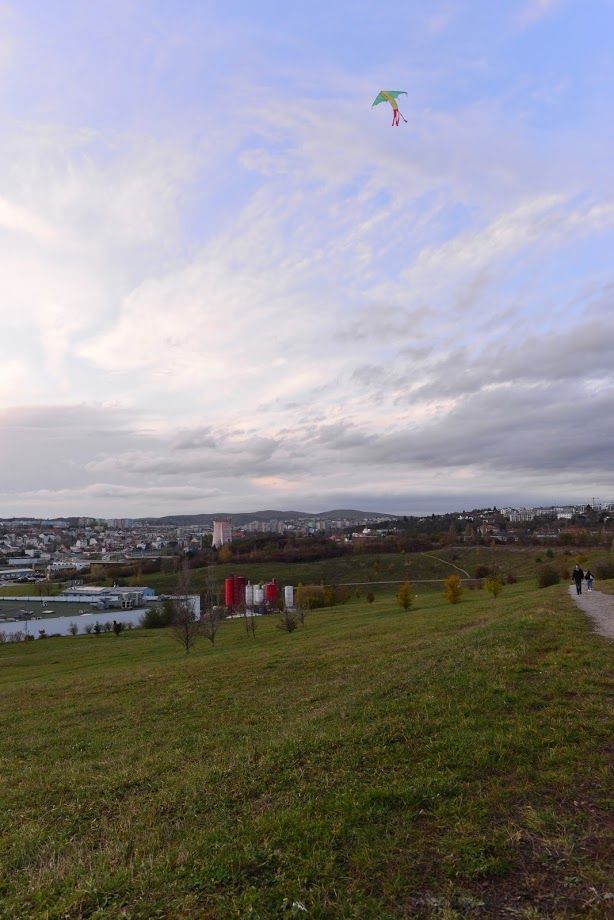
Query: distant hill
[{"x": 270, "y": 515}]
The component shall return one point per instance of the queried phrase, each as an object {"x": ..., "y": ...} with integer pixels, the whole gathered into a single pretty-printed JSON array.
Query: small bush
[
  {"x": 548, "y": 576},
  {"x": 404, "y": 595},
  {"x": 453, "y": 589},
  {"x": 604, "y": 569},
  {"x": 314, "y": 596},
  {"x": 511, "y": 578},
  {"x": 538, "y": 559},
  {"x": 482, "y": 571},
  {"x": 494, "y": 586},
  {"x": 549, "y": 554},
  {"x": 157, "y": 618},
  {"x": 370, "y": 597},
  {"x": 288, "y": 621}
]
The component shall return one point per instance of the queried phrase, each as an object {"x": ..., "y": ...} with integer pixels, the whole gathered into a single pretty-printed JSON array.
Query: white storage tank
[
  {"x": 289, "y": 596},
  {"x": 249, "y": 595},
  {"x": 258, "y": 594}
]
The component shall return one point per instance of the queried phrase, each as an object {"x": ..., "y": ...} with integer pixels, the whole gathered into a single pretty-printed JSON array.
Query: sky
[{"x": 228, "y": 283}]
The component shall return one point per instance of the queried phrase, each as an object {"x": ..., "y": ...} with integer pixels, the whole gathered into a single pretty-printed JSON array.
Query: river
[{"x": 61, "y": 625}]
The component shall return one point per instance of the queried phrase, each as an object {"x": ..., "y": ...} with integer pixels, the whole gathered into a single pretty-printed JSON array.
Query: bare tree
[
  {"x": 249, "y": 620},
  {"x": 210, "y": 614},
  {"x": 288, "y": 620},
  {"x": 210, "y": 623},
  {"x": 185, "y": 625}
]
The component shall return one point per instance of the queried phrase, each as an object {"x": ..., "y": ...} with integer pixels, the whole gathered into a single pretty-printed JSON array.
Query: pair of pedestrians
[{"x": 579, "y": 575}]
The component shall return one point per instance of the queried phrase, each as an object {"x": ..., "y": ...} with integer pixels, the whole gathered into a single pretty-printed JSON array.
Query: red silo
[
  {"x": 270, "y": 592},
  {"x": 239, "y": 589},
  {"x": 229, "y": 594}
]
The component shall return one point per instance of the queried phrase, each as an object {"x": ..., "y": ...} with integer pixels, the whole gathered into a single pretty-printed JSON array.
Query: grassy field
[
  {"x": 42, "y": 588},
  {"x": 442, "y": 763},
  {"x": 372, "y": 571}
]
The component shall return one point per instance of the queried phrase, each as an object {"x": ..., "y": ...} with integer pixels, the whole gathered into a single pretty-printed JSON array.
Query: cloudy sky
[{"x": 227, "y": 283}]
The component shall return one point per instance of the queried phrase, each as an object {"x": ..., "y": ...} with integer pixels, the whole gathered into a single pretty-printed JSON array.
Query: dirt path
[
  {"x": 445, "y": 562},
  {"x": 598, "y": 607}
]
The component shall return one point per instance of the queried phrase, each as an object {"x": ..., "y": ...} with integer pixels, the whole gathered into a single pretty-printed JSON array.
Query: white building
[{"x": 222, "y": 533}]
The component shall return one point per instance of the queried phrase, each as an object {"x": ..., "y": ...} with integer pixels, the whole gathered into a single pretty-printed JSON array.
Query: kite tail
[{"x": 395, "y": 117}]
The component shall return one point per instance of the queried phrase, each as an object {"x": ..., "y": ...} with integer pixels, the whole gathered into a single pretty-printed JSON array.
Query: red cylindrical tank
[
  {"x": 270, "y": 592},
  {"x": 229, "y": 594},
  {"x": 239, "y": 589}
]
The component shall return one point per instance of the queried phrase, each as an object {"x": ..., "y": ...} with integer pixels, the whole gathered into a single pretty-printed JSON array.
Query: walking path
[
  {"x": 445, "y": 562},
  {"x": 598, "y": 607}
]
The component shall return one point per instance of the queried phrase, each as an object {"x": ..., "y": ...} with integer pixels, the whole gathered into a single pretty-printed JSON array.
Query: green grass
[
  {"x": 446, "y": 762},
  {"x": 31, "y": 590},
  {"x": 374, "y": 570}
]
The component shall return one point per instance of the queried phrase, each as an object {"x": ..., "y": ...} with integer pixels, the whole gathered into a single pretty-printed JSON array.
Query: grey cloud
[
  {"x": 582, "y": 353},
  {"x": 195, "y": 439}
]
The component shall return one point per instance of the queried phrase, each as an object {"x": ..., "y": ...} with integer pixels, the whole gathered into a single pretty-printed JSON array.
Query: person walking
[
  {"x": 577, "y": 576},
  {"x": 589, "y": 579}
]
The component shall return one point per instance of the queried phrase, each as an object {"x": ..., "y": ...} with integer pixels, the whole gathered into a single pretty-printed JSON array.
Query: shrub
[
  {"x": 157, "y": 617},
  {"x": 549, "y": 554},
  {"x": 453, "y": 589},
  {"x": 604, "y": 569},
  {"x": 511, "y": 578},
  {"x": 315, "y": 596},
  {"x": 73, "y": 629},
  {"x": 370, "y": 597},
  {"x": 482, "y": 571},
  {"x": 548, "y": 575},
  {"x": 494, "y": 586},
  {"x": 288, "y": 621},
  {"x": 404, "y": 595}
]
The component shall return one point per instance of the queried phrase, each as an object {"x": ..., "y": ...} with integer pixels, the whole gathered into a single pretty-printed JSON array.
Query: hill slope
[{"x": 449, "y": 761}]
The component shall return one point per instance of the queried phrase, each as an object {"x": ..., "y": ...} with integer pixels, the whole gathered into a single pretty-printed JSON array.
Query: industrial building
[{"x": 222, "y": 533}]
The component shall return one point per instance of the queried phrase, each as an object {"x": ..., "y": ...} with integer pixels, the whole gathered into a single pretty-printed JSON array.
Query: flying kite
[{"x": 391, "y": 96}]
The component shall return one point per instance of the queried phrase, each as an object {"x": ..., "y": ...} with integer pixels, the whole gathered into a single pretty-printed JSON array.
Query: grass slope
[
  {"x": 378, "y": 568},
  {"x": 446, "y": 762}
]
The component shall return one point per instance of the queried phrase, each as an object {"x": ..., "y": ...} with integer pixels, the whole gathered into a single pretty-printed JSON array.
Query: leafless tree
[
  {"x": 210, "y": 623},
  {"x": 210, "y": 612},
  {"x": 288, "y": 620},
  {"x": 184, "y": 624},
  {"x": 249, "y": 620}
]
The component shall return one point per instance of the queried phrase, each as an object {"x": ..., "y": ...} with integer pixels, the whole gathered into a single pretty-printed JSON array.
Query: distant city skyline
[{"x": 227, "y": 282}]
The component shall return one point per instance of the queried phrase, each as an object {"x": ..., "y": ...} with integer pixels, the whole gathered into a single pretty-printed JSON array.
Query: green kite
[{"x": 391, "y": 96}]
